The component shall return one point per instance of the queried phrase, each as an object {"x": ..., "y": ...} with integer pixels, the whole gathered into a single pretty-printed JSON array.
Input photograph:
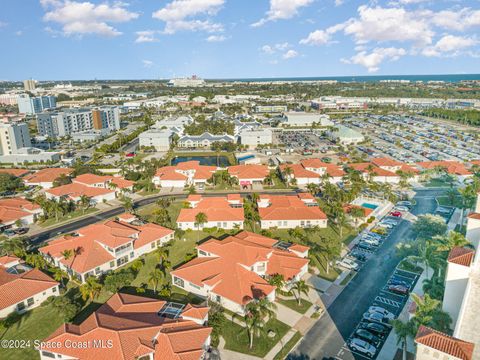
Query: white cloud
[
  {"x": 178, "y": 15},
  {"x": 216, "y": 38},
  {"x": 79, "y": 18},
  {"x": 338, "y": 2},
  {"x": 146, "y": 36},
  {"x": 271, "y": 49},
  {"x": 19, "y": 32},
  {"x": 147, "y": 63},
  {"x": 290, "y": 54},
  {"x": 459, "y": 20},
  {"x": 322, "y": 37},
  {"x": 282, "y": 9},
  {"x": 449, "y": 45},
  {"x": 372, "y": 60}
]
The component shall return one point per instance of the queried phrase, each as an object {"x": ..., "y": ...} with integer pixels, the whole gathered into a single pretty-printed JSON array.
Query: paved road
[
  {"x": 41, "y": 237},
  {"x": 328, "y": 335}
]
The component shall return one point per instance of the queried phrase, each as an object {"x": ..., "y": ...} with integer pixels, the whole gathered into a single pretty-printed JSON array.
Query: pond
[{"x": 204, "y": 160}]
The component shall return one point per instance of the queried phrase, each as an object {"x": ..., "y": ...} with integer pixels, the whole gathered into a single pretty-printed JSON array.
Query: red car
[
  {"x": 398, "y": 289},
  {"x": 396, "y": 214},
  {"x": 131, "y": 154}
]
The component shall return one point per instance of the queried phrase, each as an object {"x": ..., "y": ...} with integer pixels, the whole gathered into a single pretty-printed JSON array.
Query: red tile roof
[
  {"x": 331, "y": 169},
  {"x": 452, "y": 167},
  {"x": 216, "y": 209},
  {"x": 111, "y": 233},
  {"x": 348, "y": 208},
  {"x": 386, "y": 162},
  {"x": 46, "y": 175},
  {"x": 169, "y": 173},
  {"x": 92, "y": 179},
  {"x": 74, "y": 191},
  {"x": 252, "y": 171},
  {"x": 17, "y": 287},
  {"x": 376, "y": 171},
  {"x": 132, "y": 324},
  {"x": 461, "y": 256},
  {"x": 474, "y": 215},
  {"x": 289, "y": 207},
  {"x": 13, "y": 209},
  {"x": 226, "y": 270},
  {"x": 444, "y": 343},
  {"x": 15, "y": 172}
]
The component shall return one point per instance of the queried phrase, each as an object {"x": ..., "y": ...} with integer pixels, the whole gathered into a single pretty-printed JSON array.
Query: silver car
[{"x": 362, "y": 347}]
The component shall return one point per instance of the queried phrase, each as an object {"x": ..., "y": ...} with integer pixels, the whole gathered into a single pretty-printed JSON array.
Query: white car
[
  {"x": 401, "y": 208},
  {"x": 377, "y": 309},
  {"x": 348, "y": 264},
  {"x": 363, "y": 347},
  {"x": 385, "y": 225},
  {"x": 371, "y": 241}
]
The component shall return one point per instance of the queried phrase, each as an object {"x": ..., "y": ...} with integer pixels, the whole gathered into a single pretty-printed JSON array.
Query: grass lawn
[
  {"x": 236, "y": 338},
  {"x": 282, "y": 354},
  {"x": 446, "y": 201},
  {"x": 408, "y": 266},
  {"x": 36, "y": 324},
  {"x": 293, "y": 304},
  {"x": 437, "y": 182},
  {"x": 147, "y": 193},
  {"x": 347, "y": 278},
  {"x": 66, "y": 218}
]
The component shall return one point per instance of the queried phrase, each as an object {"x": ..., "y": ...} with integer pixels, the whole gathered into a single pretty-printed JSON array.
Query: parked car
[
  {"x": 376, "y": 318},
  {"x": 375, "y": 235},
  {"x": 380, "y": 231},
  {"x": 363, "y": 347},
  {"x": 21, "y": 231},
  {"x": 401, "y": 208},
  {"x": 365, "y": 246},
  {"x": 407, "y": 204},
  {"x": 357, "y": 255},
  {"x": 367, "y": 336},
  {"x": 9, "y": 232},
  {"x": 377, "y": 329},
  {"x": 396, "y": 214},
  {"x": 130, "y": 154},
  {"x": 395, "y": 281},
  {"x": 398, "y": 289},
  {"x": 348, "y": 264},
  {"x": 371, "y": 241},
  {"x": 381, "y": 310},
  {"x": 385, "y": 225}
]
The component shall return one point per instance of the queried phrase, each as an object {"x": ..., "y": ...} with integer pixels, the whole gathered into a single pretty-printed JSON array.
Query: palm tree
[
  {"x": 67, "y": 253},
  {"x": 286, "y": 174},
  {"x": 154, "y": 278},
  {"x": 451, "y": 240},
  {"x": 403, "y": 330},
  {"x": 36, "y": 260},
  {"x": 127, "y": 203},
  {"x": 90, "y": 289},
  {"x": 59, "y": 275},
  {"x": 313, "y": 188},
  {"x": 254, "y": 324},
  {"x": 16, "y": 245},
  {"x": 136, "y": 265},
  {"x": 277, "y": 280},
  {"x": 265, "y": 308},
  {"x": 200, "y": 219},
  {"x": 428, "y": 256},
  {"x": 85, "y": 202},
  {"x": 301, "y": 288}
]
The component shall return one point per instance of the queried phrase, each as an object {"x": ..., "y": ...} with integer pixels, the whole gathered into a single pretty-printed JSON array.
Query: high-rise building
[
  {"x": 14, "y": 137},
  {"x": 29, "y": 85},
  {"x": 34, "y": 105},
  {"x": 8, "y": 99},
  {"x": 73, "y": 121}
]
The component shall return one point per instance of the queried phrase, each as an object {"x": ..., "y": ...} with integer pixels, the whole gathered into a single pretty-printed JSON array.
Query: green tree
[
  {"x": 300, "y": 287},
  {"x": 200, "y": 219},
  {"x": 155, "y": 278},
  {"x": 90, "y": 289},
  {"x": 404, "y": 331}
]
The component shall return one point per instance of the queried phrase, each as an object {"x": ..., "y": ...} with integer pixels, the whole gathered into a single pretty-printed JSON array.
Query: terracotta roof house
[
  {"x": 15, "y": 172},
  {"x": 375, "y": 173},
  {"x": 224, "y": 212},
  {"x": 14, "y": 209},
  {"x": 432, "y": 344},
  {"x": 45, "y": 177},
  {"x": 130, "y": 327},
  {"x": 451, "y": 167},
  {"x": 22, "y": 287},
  {"x": 311, "y": 171},
  {"x": 233, "y": 271},
  {"x": 104, "y": 181},
  {"x": 290, "y": 211},
  {"x": 347, "y": 209},
  {"x": 183, "y": 174},
  {"x": 249, "y": 174},
  {"x": 99, "y": 248}
]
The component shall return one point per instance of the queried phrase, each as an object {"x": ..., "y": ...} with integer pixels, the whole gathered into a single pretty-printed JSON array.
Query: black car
[
  {"x": 358, "y": 256},
  {"x": 365, "y": 246},
  {"x": 396, "y": 281},
  {"x": 374, "y": 328},
  {"x": 21, "y": 231},
  {"x": 367, "y": 336}
]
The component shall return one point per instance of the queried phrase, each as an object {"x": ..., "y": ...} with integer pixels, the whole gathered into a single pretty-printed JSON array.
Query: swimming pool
[{"x": 369, "y": 206}]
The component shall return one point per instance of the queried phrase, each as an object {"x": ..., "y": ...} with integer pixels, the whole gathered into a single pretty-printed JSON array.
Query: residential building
[
  {"x": 13, "y": 210},
  {"x": 15, "y": 172},
  {"x": 45, "y": 177},
  {"x": 29, "y": 85},
  {"x": 72, "y": 121},
  {"x": 9, "y": 99},
  {"x": 183, "y": 174},
  {"x": 177, "y": 123},
  {"x": 203, "y": 141},
  {"x": 234, "y": 271},
  {"x": 271, "y": 109},
  {"x": 456, "y": 168},
  {"x": 396, "y": 167},
  {"x": 304, "y": 119},
  {"x": 131, "y": 327},
  {"x": 345, "y": 136},
  {"x": 434, "y": 345},
  {"x": 290, "y": 211},
  {"x": 34, "y": 105},
  {"x": 102, "y": 247},
  {"x": 14, "y": 137},
  {"x": 22, "y": 287},
  {"x": 253, "y": 138},
  {"x": 97, "y": 188},
  {"x": 193, "y": 81},
  {"x": 338, "y": 103},
  {"x": 248, "y": 175},
  {"x": 161, "y": 140},
  {"x": 312, "y": 171},
  {"x": 374, "y": 173},
  {"x": 224, "y": 212},
  {"x": 366, "y": 213}
]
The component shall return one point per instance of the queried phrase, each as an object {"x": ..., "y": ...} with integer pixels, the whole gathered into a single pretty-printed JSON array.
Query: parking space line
[{"x": 386, "y": 301}]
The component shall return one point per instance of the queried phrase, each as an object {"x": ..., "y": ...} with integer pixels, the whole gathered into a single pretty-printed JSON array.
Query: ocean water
[{"x": 425, "y": 78}]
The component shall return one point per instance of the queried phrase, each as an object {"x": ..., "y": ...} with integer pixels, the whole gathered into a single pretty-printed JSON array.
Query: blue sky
[{"x": 77, "y": 39}]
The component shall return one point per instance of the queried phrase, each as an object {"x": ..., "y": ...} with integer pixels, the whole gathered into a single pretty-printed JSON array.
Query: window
[
  {"x": 194, "y": 286},
  {"x": 44, "y": 293},
  {"x": 97, "y": 270},
  {"x": 54, "y": 289},
  {"x": 112, "y": 264},
  {"x": 30, "y": 301},
  {"x": 132, "y": 254},
  {"x": 153, "y": 245},
  {"x": 47, "y": 354},
  {"x": 178, "y": 282},
  {"x": 20, "y": 306},
  {"x": 201, "y": 252}
]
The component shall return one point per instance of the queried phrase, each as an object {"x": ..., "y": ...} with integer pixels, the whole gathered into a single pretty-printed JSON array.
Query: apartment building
[
  {"x": 73, "y": 121},
  {"x": 8, "y": 99},
  {"x": 234, "y": 271},
  {"x": 99, "y": 248},
  {"x": 132, "y": 327},
  {"x": 13, "y": 137},
  {"x": 29, "y": 85},
  {"x": 250, "y": 174},
  {"x": 312, "y": 171},
  {"x": 183, "y": 174},
  {"x": 290, "y": 211},
  {"x": 13, "y": 210},
  {"x": 159, "y": 139},
  {"x": 224, "y": 212},
  {"x": 22, "y": 287},
  {"x": 204, "y": 140},
  {"x": 34, "y": 105},
  {"x": 253, "y": 138},
  {"x": 451, "y": 167},
  {"x": 45, "y": 177},
  {"x": 304, "y": 119}
]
